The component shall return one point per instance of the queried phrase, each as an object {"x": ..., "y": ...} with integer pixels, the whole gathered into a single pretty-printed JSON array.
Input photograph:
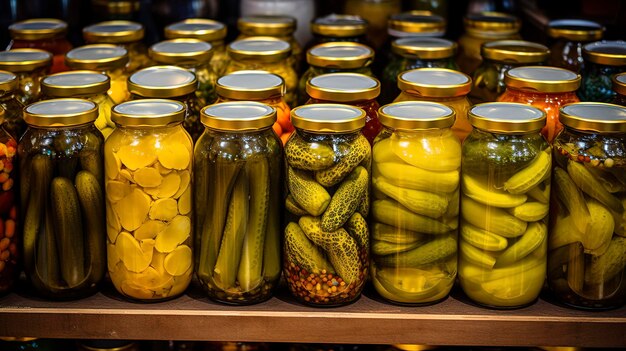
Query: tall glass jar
[
  {"x": 547, "y": 88},
  {"x": 10, "y": 233},
  {"x": 415, "y": 208},
  {"x": 260, "y": 86},
  {"x": 126, "y": 34},
  {"x": 416, "y": 24},
  {"x": 302, "y": 10},
  {"x": 586, "y": 256},
  {"x": 42, "y": 33},
  {"x": 336, "y": 27},
  {"x": 603, "y": 59},
  {"x": 326, "y": 242},
  {"x": 170, "y": 82},
  {"x": 207, "y": 30},
  {"x": 568, "y": 37},
  {"x": 13, "y": 120},
  {"x": 238, "y": 165},
  {"x": 504, "y": 205},
  {"x": 30, "y": 66},
  {"x": 265, "y": 54},
  {"x": 351, "y": 89},
  {"x": 619, "y": 87},
  {"x": 105, "y": 10},
  {"x": 104, "y": 58},
  {"x": 61, "y": 174},
  {"x": 148, "y": 167},
  {"x": 439, "y": 85},
  {"x": 88, "y": 85},
  {"x": 335, "y": 57},
  {"x": 194, "y": 55},
  {"x": 376, "y": 13}
]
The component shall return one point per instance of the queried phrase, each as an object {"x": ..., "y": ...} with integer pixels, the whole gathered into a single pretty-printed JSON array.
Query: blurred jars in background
[
  {"x": 13, "y": 121},
  {"x": 107, "y": 10},
  {"x": 10, "y": 232},
  {"x": 376, "y": 13},
  {"x": 47, "y": 34},
  {"x": 438, "y": 7},
  {"x": 302, "y": 10},
  {"x": 416, "y": 24},
  {"x": 568, "y": 37},
  {"x": 126, "y": 34},
  {"x": 619, "y": 87},
  {"x": 107, "y": 345},
  {"x": 30, "y": 66},
  {"x": 603, "y": 59},
  {"x": 336, "y": 27}
]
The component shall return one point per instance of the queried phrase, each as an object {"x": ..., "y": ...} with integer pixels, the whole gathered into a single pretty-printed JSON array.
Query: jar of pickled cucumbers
[
  {"x": 62, "y": 203},
  {"x": 351, "y": 89},
  {"x": 568, "y": 37},
  {"x": 194, "y": 55},
  {"x": 603, "y": 59},
  {"x": 126, "y": 34},
  {"x": 264, "y": 54},
  {"x": 415, "y": 208},
  {"x": 498, "y": 58},
  {"x": 259, "y": 86},
  {"x": 336, "y": 27},
  {"x": 206, "y": 30},
  {"x": 13, "y": 120},
  {"x": 30, "y": 66},
  {"x": 10, "y": 236},
  {"x": 547, "y": 88},
  {"x": 238, "y": 217},
  {"x": 170, "y": 82},
  {"x": 47, "y": 34},
  {"x": 148, "y": 168},
  {"x": 619, "y": 87},
  {"x": 104, "y": 58},
  {"x": 335, "y": 57},
  {"x": 326, "y": 240},
  {"x": 586, "y": 256},
  {"x": 439, "y": 85}
]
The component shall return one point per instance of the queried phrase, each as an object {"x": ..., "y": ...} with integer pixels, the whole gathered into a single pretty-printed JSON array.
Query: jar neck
[
  {"x": 311, "y": 134},
  {"x": 272, "y": 100},
  {"x": 357, "y": 103},
  {"x": 416, "y": 96},
  {"x": 526, "y": 93},
  {"x": 325, "y": 70}
]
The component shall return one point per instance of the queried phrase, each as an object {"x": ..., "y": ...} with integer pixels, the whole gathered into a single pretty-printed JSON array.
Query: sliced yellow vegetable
[
  {"x": 162, "y": 169},
  {"x": 130, "y": 252},
  {"x": 149, "y": 230},
  {"x": 113, "y": 223},
  {"x": 185, "y": 178},
  {"x": 116, "y": 190},
  {"x": 174, "y": 234},
  {"x": 184, "y": 202},
  {"x": 136, "y": 292},
  {"x": 151, "y": 279},
  {"x": 178, "y": 261},
  {"x": 112, "y": 257},
  {"x": 125, "y": 175},
  {"x": 164, "y": 209},
  {"x": 137, "y": 156},
  {"x": 174, "y": 156},
  {"x": 147, "y": 177},
  {"x": 169, "y": 186},
  {"x": 133, "y": 209},
  {"x": 112, "y": 165}
]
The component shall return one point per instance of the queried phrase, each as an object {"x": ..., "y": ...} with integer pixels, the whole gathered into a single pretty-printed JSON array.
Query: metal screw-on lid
[
  {"x": 339, "y": 54},
  {"x": 250, "y": 85},
  {"x": 262, "y": 49},
  {"x": 183, "y": 51},
  {"x": 542, "y": 79},
  {"x": 197, "y": 28},
  {"x": 113, "y": 32},
  {"x": 60, "y": 113},
  {"x": 97, "y": 57},
  {"x": 424, "y": 48},
  {"x": 491, "y": 23},
  {"x": 514, "y": 51},
  {"x": 417, "y": 23},
  {"x": 435, "y": 82},
  {"x": 594, "y": 116},
  {"x": 507, "y": 117},
  {"x": 260, "y": 25},
  {"x": 162, "y": 82},
  {"x": 619, "y": 83},
  {"x": 75, "y": 83},
  {"x": 24, "y": 60},
  {"x": 411, "y": 115},
  {"x": 148, "y": 112},
  {"x": 328, "y": 118},
  {"x": 610, "y": 53},
  {"x": 339, "y": 26},
  {"x": 343, "y": 87},
  {"x": 38, "y": 29},
  {"x": 238, "y": 116},
  {"x": 575, "y": 30},
  {"x": 8, "y": 82}
]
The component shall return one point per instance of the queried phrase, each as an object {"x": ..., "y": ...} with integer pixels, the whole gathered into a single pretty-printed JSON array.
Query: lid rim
[
  {"x": 250, "y": 123},
  {"x": 434, "y": 90},
  {"x": 506, "y": 125},
  {"x": 415, "y": 123},
  {"x": 161, "y": 91},
  {"x": 335, "y": 94},
  {"x": 97, "y": 33},
  {"x": 136, "y": 120},
  {"x": 338, "y": 29},
  {"x": 212, "y": 30},
  {"x": 331, "y": 126},
  {"x": 55, "y": 119},
  {"x": 501, "y": 51},
  {"x": 55, "y": 90},
  {"x": 31, "y": 64},
  {"x": 585, "y": 124},
  {"x": 542, "y": 85},
  {"x": 58, "y": 29}
]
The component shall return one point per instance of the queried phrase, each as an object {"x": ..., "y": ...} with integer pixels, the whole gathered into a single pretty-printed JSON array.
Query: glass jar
[
  {"x": 335, "y": 57},
  {"x": 238, "y": 266},
  {"x": 376, "y": 13},
  {"x": 568, "y": 37},
  {"x": 126, "y": 34},
  {"x": 260, "y": 86},
  {"x": 61, "y": 173},
  {"x": 13, "y": 121},
  {"x": 207, "y": 30},
  {"x": 351, "y": 89},
  {"x": 107, "y": 59},
  {"x": 499, "y": 57},
  {"x": 326, "y": 242},
  {"x": 415, "y": 52},
  {"x": 106, "y": 10},
  {"x": 619, "y": 87},
  {"x": 194, "y": 55},
  {"x": 416, "y": 171},
  {"x": 439, "y": 85},
  {"x": 30, "y": 66},
  {"x": 603, "y": 59},
  {"x": 416, "y": 24},
  {"x": 10, "y": 236},
  {"x": 148, "y": 167},
  {"x": 107, "y": 345},
  {"x": 336, "y": 27},
  {"x": 170, "y": 82},
  {"x": 588, "y": 219},
  {"x": 42, "y": 33},
  {"x": 481, "y": 28},
  {"x": 547, "y": 88},
  {"x": 264, "y": 54},
  {"x": 506, "y": 176}
]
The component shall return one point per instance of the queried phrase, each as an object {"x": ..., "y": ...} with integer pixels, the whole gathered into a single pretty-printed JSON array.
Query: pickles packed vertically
[
  {"x": 587, "y": 246},
  {"x": 505, "y": 193},
  {"x": 326, "y": 240},
  {"x": 238, "y": 166},
  {"x": 148, "y": 162},
  {"x": 415, "y": 208},
  {"x": 10, "y": 232},
  {"x": 62, "y": 206}
]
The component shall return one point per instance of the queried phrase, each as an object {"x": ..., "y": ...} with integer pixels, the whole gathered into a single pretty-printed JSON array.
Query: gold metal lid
[
  {"x": 417, "y": 22},
  {"x": 162, "y": 82},
  {"x": 508, "y": 117},
  {"x": 514, "y": 51},
  {"x": 594, "y": 117},
  {"x": 183, "y": 51},
  {"x": 260, "y": 25},
  {"x": 435, "y": 82},
  {"x": 411, "y": 115},
  {"x": 339, "y": 26},
  {"x": 118, "y": 7},
  {"x": 340, "y": 54},
  {"x": 250, "y": 85},
  {"x": 8, "y": 81},
  {"x": 197, "y": 28},
  {"x": 575, "y": 29},
  {"x": 489, "y": 22},
  {"x": 24, "y": 60},
  {"x": 97, "y": 57},
  {"x": 60, "y": 112},
  {"x": 328, "y": 118},
  {"x": 239, "y": 116},
  {"x": 542, "y": 79},
  {"x": 75, "y": 83},
  {"x": 261, "y": 49},
  {"x": 343, "y": 87},
  {"x": 619, "y": 83},
  {"x": 610, "y": 53},
  {"x": 38, "y": 29},
  {"x": 424, "y": 48},
  {"x": 148, "y": 112},
  {"x": 113, "y": 32}
]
